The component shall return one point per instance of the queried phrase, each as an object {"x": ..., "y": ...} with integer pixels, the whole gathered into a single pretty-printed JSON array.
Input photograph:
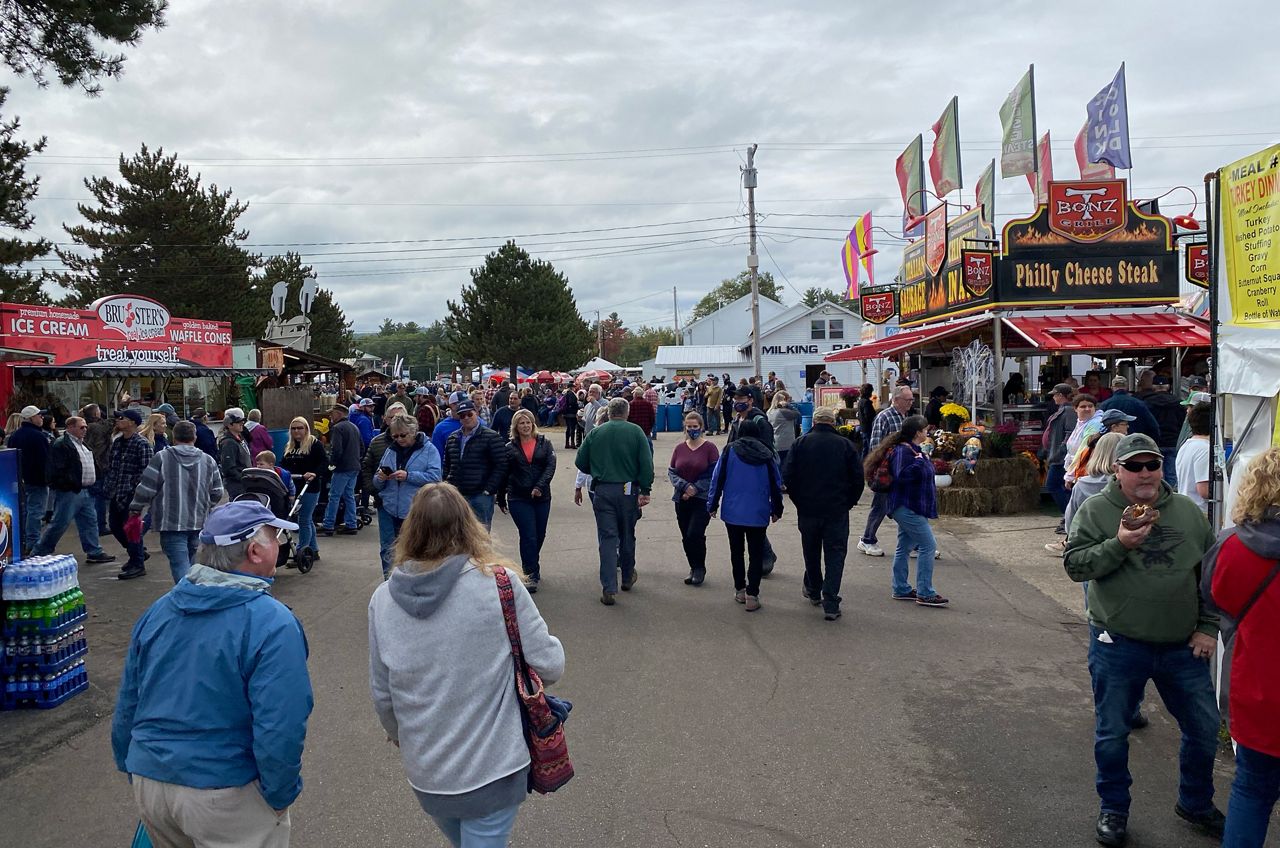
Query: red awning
[
  {"x": 909, "y": 340},
  {"x": 1121, "y": 331}
]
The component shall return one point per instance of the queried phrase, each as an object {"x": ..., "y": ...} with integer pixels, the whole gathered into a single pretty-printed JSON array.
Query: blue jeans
[
  {"x": 482, "y": 506},
  {"x": 33, "y": 514},
  {"x": 879, "y": 509},
  {"x": 530, "y": 518},
  {"x": 1170, "y": 468},
  {"x": 491, "y": 831},
  {"x": 1053, "y": 483},
  {"x": 342, "y": 487},
  {"x": 1253, "y": 797},
  {"x": 100, "y": 504},
  {"x": 913, "y": 533},
  {"x": 180, "y": 547},
  {"x": 1120, "y": 672},
  {"x": 388, "y": 532},
  {"x": 68, "y": 507},
  {"x": 307, "y": 519}
]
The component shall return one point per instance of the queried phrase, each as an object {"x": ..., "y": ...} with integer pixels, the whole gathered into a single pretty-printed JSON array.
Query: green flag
[
  {"x": 987, "y": 193},
  {"x": 1018, "y": 117}
]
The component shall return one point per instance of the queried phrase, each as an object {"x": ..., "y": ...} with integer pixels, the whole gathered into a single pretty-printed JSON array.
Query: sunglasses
[
  {"x": 399, "y": 435},
  {"x": 1135, "y": 466}
]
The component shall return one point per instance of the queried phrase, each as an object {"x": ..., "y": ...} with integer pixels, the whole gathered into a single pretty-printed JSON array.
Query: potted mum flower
[{"x": 953, "y": 415}]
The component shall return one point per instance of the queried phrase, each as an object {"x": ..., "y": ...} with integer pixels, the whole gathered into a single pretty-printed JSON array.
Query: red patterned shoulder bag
[{"x": 543, "y": 715}]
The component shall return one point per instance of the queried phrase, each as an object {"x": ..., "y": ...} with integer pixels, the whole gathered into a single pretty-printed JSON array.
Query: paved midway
[{"x": 695, "y": 723}]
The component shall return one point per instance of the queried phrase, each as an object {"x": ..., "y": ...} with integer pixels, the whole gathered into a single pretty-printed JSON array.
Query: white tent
[{"x": 598, "y": 363}]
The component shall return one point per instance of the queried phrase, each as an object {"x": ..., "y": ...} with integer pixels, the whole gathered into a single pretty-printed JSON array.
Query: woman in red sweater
[{"x": 1246, "y": 559}]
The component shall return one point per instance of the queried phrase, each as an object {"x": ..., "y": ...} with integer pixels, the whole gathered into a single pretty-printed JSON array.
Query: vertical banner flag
[
  {"x": 1109, "y": 124},
  {"x": 1250, "y": 222},
  {"x": 944, "y": 161},
  {"x": 1090, "y": 170},
  {"x": 1018, "y": 117},
  {"x": 1039, "y": 181},
  {"x": 987, "y": 193},
  {"x": 862, "y": 236},
  {"x": 910, "y": 169},
  {"x": 849, "y": 263}
]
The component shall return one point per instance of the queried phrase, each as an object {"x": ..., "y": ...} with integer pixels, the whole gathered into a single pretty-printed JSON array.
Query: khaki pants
[{"x": 182, "y": 817}]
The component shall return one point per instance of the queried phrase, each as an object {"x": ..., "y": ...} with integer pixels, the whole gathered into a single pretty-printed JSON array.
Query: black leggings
[
  {"x": 692, "y": 517},
  {"x": 753, "y": 539}
]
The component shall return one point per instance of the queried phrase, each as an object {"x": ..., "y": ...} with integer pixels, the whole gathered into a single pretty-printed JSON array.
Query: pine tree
[
  {"x": 18, "y": 285},
  {"x": 64, "y": 34},
  {"x": 518, "y": 311},
  {"x": 160, "y": 234},
  {"x": 731, "y": 289}
]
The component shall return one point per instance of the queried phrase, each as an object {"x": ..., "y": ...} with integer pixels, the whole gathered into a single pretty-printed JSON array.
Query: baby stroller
[{"x": 265, "y": 486}]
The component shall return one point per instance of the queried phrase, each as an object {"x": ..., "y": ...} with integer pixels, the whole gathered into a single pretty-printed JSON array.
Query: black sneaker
[
  {"x": 606, "y": 598},
  {"x": 533, "y": 585},
  {"x": 130, "y": 573},
  {"x": 1061, "y": 529},
  {"x": 696, "y": 576},
  {"x": 766, "y": 567},
  {"x": 831, "y": 614},
  {"x": 1112, "y": 829},
  {"x": 627, "y": 584},
  {"x": 1139, "y": 721},
  {"x": 814, "y": 598},
  {"x": 909, "y": 596},
  {"x": 326, "y": 531},
  {"x": 99, "y": 558},
  {"x": 346, "y": 531},
  {"x": 934, "y": 600},
  {"x": 1210, "y": 823}
]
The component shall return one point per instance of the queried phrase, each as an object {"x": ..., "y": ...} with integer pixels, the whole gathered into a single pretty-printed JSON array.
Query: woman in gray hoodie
[{"x": 440, "y": 669}]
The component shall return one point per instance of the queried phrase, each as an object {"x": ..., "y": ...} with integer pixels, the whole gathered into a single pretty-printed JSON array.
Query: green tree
[
  {"x": 643, "y": 343},
  {"x": 18, "y": 285},
  {"x": 331, "y": 333},
  {"x": 65, "y": 36},
  {"x": 731, "y": 289},
  {"x": 159, "y": 233},
  {"x": 814, "y": 296},
  {"x": 425, "y": 349},
  {"x": 611, "y": 335},
  {"x": 518, "y": 311}
]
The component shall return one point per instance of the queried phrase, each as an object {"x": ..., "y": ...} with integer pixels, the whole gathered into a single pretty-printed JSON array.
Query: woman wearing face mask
[{"x": 690, "y": 476}]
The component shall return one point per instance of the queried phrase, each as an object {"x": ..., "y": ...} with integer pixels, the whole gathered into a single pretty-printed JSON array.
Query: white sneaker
[
  {"x": 1056, "y": 548},
  {"x": 937, "y": 554},
  {"x": 873, "y": 549}
]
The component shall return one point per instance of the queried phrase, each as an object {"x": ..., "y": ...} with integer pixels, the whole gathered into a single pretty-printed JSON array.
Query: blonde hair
[
  {"x": 402, "y": 423},
  {"x": 11, "y": 426},
  {"x": 521, "y": 415},
  {"x": 1260, "y": 490},
  {"x": 1102, "y": 459},
  {"x": 779, "y": 397},
  {"x": 440, "y": 524},
  {"x": 148, "y": 430},
  {"x": 396, "y": 405},
  {"x": 303, "y": 446}
]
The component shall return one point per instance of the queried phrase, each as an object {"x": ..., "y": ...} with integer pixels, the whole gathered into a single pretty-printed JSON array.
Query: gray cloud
[{"x": 233, "y": 80}]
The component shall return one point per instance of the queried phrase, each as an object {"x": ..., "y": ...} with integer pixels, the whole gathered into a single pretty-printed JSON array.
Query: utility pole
[
  {"x": 675, "y": 317},
  {"x": 753, "y": 259},
  {"x": 599, "y": 336}
]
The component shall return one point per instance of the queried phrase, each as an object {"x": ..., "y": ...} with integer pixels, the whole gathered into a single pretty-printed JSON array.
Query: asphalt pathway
[{"x": 695, "y": 723}]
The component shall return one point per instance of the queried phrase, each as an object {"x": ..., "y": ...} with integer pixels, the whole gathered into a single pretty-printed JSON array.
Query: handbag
[{"x": 542, "y": 715}]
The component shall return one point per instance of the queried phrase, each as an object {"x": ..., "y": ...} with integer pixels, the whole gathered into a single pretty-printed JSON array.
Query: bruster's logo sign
[
  {"x": 135, "y": 318},
  {"x": 877, "y": 307},
  {"x": 1087, "y": 211}
]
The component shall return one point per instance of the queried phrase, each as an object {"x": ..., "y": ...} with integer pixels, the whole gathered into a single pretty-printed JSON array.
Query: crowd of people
[{"x": 437, "y": 461}]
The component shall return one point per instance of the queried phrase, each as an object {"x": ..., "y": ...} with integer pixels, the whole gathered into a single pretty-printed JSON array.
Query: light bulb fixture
[{"x": 1188, "y": 221}]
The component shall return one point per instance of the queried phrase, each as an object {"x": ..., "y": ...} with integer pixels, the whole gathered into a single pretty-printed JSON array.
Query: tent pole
[
  {"x": 997, "y": 343},
  {"x": 1213, "y": 189}
]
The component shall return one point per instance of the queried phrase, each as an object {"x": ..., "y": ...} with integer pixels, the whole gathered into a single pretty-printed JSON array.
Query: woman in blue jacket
[
  {"x": 406, "y": 466},
  {"x": 747, "y": 480}
]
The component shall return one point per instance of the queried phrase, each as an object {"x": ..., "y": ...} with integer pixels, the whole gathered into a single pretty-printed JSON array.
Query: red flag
[
  {"x": 944, "y": 161},
  {"x": 1039, "y": 181},
  {"x": 1091, "y": 170}
]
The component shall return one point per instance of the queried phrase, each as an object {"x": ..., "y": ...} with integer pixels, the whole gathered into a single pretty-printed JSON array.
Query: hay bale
[
  {"x": 993, "y": 473},
  {"x": 964, "y": 501},
  {"x": 1009, "y": 500}
]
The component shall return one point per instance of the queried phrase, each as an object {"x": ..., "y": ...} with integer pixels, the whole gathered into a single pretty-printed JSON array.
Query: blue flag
[{"x": 1108, "y": 126}]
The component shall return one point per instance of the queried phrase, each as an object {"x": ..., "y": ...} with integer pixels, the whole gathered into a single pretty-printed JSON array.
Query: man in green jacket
[
  {"x": 1147, "y": 621},
  {"x": 617, "y": 456}
]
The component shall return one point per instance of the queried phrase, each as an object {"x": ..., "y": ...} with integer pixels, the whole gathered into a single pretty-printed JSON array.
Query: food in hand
[{"x": 1137, "y": 516}]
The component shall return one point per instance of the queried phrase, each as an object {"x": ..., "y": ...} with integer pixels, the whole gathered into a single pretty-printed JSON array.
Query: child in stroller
[{"x": 273, "y": 487}]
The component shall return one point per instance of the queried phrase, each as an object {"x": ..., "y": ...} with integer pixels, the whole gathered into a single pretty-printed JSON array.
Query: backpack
[{"x": 882, "y": 480}]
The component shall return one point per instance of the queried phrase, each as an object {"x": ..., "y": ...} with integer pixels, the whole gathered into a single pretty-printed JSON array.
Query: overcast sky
[{"x": 385, "y": 122}]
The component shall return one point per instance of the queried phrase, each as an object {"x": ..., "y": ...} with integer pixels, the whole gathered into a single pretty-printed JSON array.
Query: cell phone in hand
[{"x": 386, "y": 471}]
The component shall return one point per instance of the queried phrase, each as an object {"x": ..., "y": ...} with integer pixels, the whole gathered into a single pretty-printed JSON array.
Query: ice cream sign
[{"x": 135, "y": 318}]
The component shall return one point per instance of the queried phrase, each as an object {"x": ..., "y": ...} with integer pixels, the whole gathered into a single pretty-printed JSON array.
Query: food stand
[{"x": 63, "y": 358}]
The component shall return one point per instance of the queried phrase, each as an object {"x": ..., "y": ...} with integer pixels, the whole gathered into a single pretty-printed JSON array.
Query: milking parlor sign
[{"x": 122, "y": 330}]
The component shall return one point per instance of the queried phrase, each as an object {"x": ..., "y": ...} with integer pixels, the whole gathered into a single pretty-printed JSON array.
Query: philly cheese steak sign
[{"x": 1087, "y": 245}]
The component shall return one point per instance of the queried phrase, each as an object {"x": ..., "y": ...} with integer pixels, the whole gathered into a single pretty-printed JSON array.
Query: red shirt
[
  {"x": 1255, "y": 683},
  {"x": 642, "y": 414}
]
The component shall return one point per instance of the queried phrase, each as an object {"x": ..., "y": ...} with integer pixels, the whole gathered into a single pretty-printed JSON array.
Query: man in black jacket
[
  {"x": 823, "y": 477},
  {"x": 72, "y": 471},
  {"x": 475, "y": 458},
  {"x": 345, "y": 449},
  {"x": 1169, "y": 415},
  {"x": 31, "y": 440}
]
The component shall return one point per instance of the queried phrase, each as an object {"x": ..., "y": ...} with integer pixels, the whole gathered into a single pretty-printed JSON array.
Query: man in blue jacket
[
  {"x": 1144, "y": 422},
  {"x": 362, "y": 417},
  {"x": 33, "y": 443},
  {"x": 214, "y": 700}
]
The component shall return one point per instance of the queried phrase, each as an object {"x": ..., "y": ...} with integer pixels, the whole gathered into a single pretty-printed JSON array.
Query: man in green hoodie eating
[{"x": 1139, "y": 545}]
